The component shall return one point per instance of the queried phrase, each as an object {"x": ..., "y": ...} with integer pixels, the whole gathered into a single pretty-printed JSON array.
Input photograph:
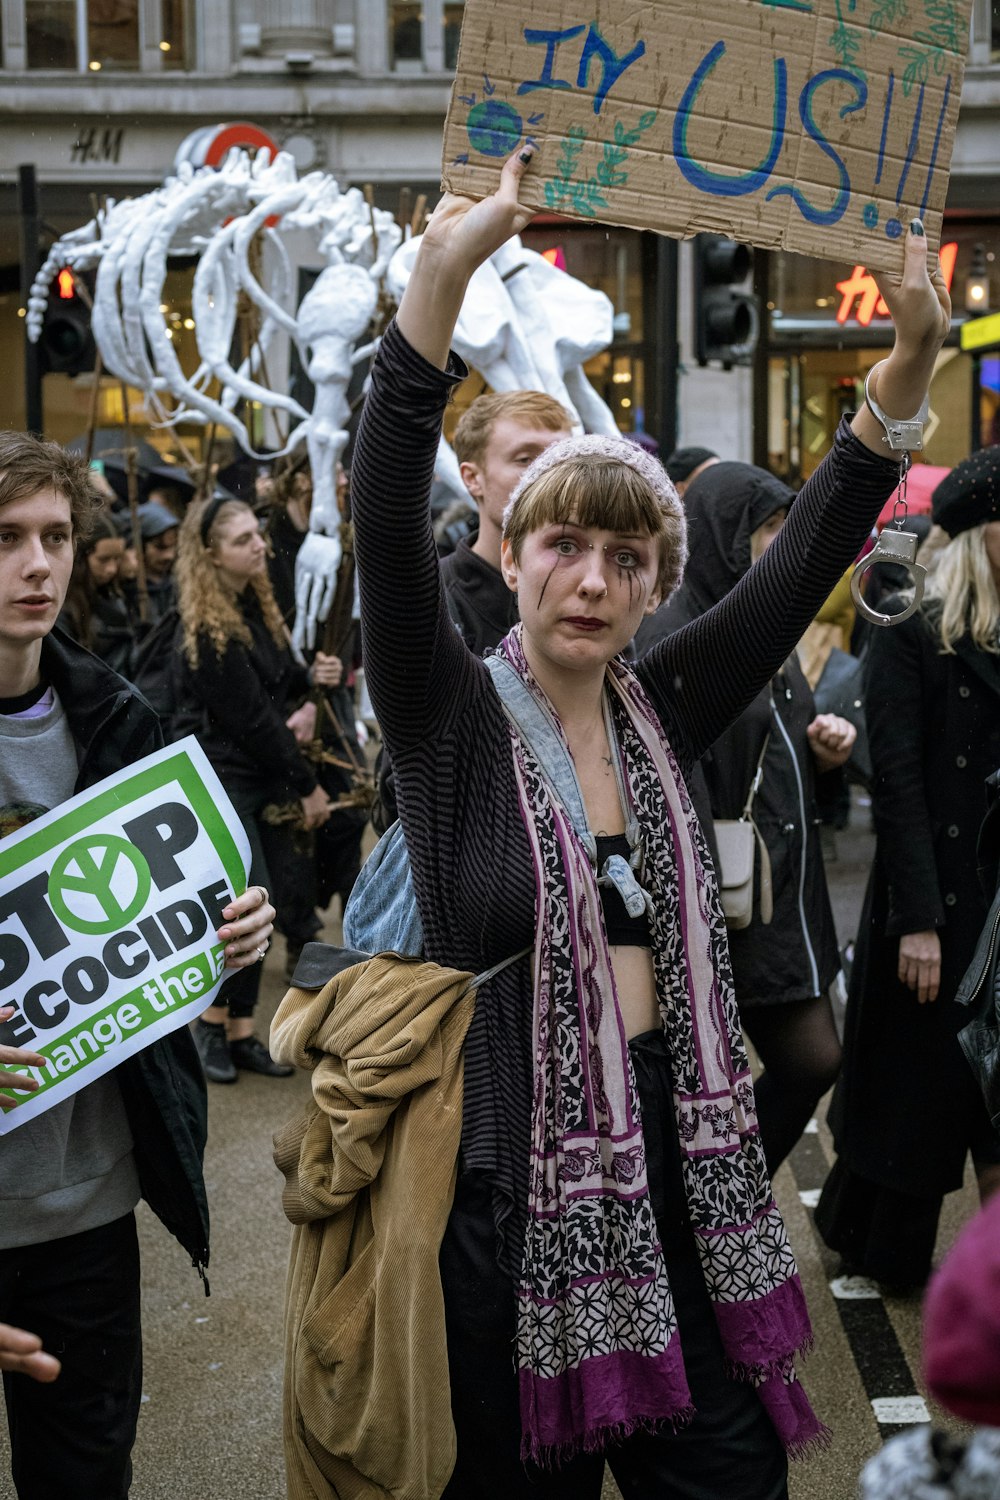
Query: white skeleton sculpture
[{"x": 524, "y": 323}]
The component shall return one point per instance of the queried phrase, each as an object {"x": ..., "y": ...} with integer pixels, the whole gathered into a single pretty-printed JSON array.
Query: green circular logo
[{"x": 99, "y": 884}]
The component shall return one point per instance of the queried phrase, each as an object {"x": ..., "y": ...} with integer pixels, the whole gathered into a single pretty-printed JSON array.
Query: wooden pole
[
  {"x": 95, "y": 393},
  {"x": 132, "y": 481}
]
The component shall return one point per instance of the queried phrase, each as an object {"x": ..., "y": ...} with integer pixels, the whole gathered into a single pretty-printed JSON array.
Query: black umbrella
[
  {"x": 162, "y": 473},
  {"x": 110, "y": 445}
]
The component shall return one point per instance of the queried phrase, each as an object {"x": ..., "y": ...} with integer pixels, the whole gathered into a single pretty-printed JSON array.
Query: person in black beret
[
  {"x": 970, "y": 495},
  {"x": 908, "y": 1110}
]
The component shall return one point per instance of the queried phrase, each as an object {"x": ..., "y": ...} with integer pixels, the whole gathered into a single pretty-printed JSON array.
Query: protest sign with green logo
[
  {"x": 108, "y": 913},
  {"x": 821, "y": 126}
]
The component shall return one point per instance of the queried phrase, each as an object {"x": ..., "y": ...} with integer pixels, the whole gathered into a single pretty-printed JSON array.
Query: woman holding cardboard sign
[{"x": 616, "y": 1276}]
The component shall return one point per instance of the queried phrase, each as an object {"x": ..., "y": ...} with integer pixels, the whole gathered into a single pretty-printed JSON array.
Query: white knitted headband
[{"x": 615, "y": 448}]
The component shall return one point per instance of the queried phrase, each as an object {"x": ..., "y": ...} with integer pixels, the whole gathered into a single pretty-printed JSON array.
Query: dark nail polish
[
  {"x": 526, "y": 155},
  {"x": 917, "y": 227}
]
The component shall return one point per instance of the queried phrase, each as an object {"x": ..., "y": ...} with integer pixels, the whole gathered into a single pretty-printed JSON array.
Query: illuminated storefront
[{"x": 826, "y": 326}]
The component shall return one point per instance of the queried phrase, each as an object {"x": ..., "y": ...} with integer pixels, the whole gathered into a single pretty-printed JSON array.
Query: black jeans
[
  {"x": 80, "y": 1294},
  {"x": 275, "y": 864},
  {"x": 730, "y": 1451}
]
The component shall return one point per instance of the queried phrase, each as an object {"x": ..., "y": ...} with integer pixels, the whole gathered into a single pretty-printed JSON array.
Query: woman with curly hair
[{"x": 234, "y": 675}]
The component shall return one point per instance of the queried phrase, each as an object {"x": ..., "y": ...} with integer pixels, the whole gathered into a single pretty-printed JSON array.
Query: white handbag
[{"x": 736, "y": 840}]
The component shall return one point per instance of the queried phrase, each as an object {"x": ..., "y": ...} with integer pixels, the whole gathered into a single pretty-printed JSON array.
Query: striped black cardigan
[{"x": 449, "y": 742}]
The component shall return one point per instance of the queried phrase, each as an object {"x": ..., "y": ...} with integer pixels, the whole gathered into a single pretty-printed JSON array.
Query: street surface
[{"x": 210, "y": 1427}]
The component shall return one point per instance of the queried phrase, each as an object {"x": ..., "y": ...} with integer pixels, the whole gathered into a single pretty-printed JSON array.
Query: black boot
[
  {"x": 251, "y": 1054},
  {"x": 213, "y": 1049}
]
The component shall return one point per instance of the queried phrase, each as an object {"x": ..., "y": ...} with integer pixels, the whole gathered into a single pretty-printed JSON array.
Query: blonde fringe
[
  {"x": 206, "y": 608},
  {"x": 961, "y": 590}
]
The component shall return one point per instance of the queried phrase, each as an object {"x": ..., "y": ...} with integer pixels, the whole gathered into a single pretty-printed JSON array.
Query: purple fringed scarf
[{"x": 599, "y": 1355}]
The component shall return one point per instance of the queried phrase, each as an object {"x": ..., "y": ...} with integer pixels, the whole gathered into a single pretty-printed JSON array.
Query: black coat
[
  {"x": 794, "y": 957},
  {"x": 284, "y": 540},
  {"x": 907, "y": 1106},
  {"x": 163, "y": 1086},
  {"x": 236, "y": 705},
  {"x": 479, "y": 601}
]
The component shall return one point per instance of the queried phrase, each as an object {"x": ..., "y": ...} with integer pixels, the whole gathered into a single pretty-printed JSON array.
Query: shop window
[
  {"x": 995, "y": 30},
  {"x": 424, "y": 35},
  {"x": 611, "y": 261},
  {"x": 452, "y": 32},
  {"x": 112, "y": 35},
  {"x": 406, "y": 34},
  {"x": 50, "y": 27},
  {"x": 988, "y": 382},
  {"x": 106, "y": 35},
  {"x": 175, "y": 33}
]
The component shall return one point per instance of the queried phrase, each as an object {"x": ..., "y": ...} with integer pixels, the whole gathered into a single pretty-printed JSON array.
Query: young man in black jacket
[
  {"x": 495, "y": 441},
  {"x": 71, "y": 1177}
]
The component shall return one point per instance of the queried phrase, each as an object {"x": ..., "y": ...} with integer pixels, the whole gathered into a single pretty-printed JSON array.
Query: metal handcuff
[{"x": 903, "y": 435}]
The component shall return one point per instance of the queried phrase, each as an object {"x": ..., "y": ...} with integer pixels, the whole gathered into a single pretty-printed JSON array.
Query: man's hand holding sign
[
  {"x": 248, "y": 925},
  {"x": 118, "y": 919}
]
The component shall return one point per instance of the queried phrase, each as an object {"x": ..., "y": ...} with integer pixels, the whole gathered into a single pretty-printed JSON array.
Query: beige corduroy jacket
[{"x": 369, "y": 1182}]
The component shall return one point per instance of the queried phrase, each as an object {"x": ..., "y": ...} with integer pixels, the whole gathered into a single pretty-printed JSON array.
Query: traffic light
[
  {"x": 726, "y": 321},
  {"x": 66, "y": 343}
]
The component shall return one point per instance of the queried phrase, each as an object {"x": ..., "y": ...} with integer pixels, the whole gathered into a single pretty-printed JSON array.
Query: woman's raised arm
[
  {"x": 461, "y": 235},
  {"x": 419, "y": 672},
  {"x": 920, "y": 306},
  {"x": 706, "y": 674}
]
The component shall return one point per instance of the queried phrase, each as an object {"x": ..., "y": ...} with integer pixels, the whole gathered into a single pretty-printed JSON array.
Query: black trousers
[
  {"x": 730, "y": 1451},
  {"x": 80, "y": 1294},
  {"x": 275, "y": 864}
]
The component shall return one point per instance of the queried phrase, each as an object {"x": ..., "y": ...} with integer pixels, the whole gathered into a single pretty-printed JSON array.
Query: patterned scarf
[{"x": 599, "y": 1354}]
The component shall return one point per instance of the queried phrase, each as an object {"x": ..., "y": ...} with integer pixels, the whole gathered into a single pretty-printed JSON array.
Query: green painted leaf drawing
[{"x": 585, "y": 197}]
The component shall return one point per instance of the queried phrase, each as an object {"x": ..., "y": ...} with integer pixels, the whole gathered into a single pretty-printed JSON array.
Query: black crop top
[{"x": 622, "y": 930}]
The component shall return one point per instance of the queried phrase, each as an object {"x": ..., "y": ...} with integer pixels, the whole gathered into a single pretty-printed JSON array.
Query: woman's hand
[
  {"x": 920, "y": 306},
  {"x": 831, "y": 740},
  {"x": 920, "y": 964},
  {"x": 467, "y": 233},
  {"x": 316, "y": 808},
  {"x": 326, "y": 671},
  {"x": 247, "y": 928},
  {"x": 917, "y": 297},
  {"x": 302, "y": 723},
  {"x": 18, "y": 1057},
  {"x": 21, "y": 1353},
  {"x": 460, "y": 236}
]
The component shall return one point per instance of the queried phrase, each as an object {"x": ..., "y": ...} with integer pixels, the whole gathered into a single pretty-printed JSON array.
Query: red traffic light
[{"x": 66, "y": 343}]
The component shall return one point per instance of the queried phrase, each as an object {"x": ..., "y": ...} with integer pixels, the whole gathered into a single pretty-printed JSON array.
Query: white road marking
[
  {"x": 855, "y": 1289},
  {"x": 900, "y": 1409}
]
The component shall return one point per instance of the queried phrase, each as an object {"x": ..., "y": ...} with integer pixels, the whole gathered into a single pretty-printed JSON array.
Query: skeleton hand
[{"x": 315, "y": 580}]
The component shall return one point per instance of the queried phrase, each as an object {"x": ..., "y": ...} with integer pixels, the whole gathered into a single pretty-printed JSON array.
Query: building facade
[{"x": 98, "y": 95}]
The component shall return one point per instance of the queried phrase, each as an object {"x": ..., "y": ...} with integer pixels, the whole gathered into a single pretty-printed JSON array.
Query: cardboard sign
[
  {"x": 108, "y": 913},
  {"x": 821, "y": 126}
]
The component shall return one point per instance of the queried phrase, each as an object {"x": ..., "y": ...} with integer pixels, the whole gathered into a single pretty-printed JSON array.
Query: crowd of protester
[{"x": 710, "y": 712}]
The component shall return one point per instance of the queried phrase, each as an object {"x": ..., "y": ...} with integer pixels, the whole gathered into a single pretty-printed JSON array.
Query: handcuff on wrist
[{"x": 894, "y": 545}]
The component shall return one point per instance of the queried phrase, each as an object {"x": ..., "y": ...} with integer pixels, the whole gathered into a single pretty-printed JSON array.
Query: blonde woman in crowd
[{"x": 908, "y": 1111}]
